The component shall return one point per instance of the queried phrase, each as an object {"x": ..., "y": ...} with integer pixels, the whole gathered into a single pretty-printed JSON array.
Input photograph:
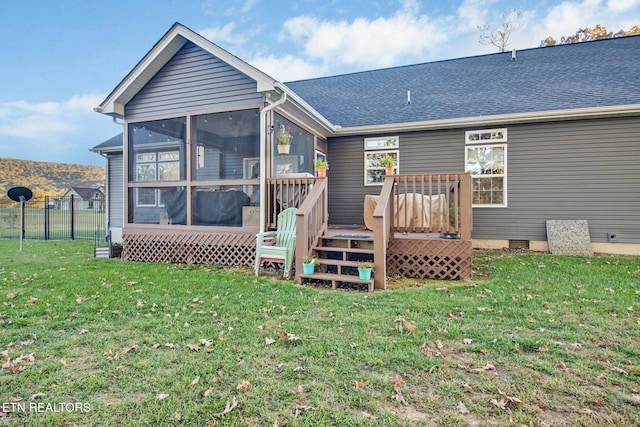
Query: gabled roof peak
[{"x": 172, "y": 41}]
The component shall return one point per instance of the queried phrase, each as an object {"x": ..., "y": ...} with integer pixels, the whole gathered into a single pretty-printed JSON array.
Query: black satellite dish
[
  {"x": 21, "y": 195},
  {"x": 17, "y": 194}
]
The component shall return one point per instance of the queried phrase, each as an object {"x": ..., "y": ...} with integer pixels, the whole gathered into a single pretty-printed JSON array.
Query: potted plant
[
  {"x": 308, "y": 264},
  {"x": 284, "y": 140},
  {"x": 364, "y": 270},
  {"x": 321, "y": 167},
  {"x": 388, "y": 163}
]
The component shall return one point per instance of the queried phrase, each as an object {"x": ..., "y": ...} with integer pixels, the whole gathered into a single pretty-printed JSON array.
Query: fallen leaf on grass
[
  {"x": 269, "y": 341},
  {"x": 35, "y": 396},
  {"x": 397, "y": 379},
  {"x": 510, "y": 398},
  {"x": 467, "y": 341},
  {"x": 228, "y": 408},
  {"x": 466, "y": 386},
  {"x": 83, "y": 331},
  {"x": 169, "y": 345},
  {"x": 463, "y": 409},
  {"x": 613, "y": 368},
  {"x": 128, "y": 349},
  {"x": 369, "y": 416},
  {"x": 502, "y": 404},
  {"x": 195, "y": 381},
  {"x": 177, "y": 416},
  {"x": 397, "y": 396},
  {"x": 243, "y": 385},
  {"x": 161, "y": 396},
  {"x": 302, "y": 408},
  {"x": 65, "y": 363},
  {"x": 487, "y": 367},
  {"x": 208, "y": 392},
  {"x": 298, "y": 390},
  {"x": 212, "y": 423},
  {"x": 361, "y": 384},
  {"x": 404, "y": 323},
  {"x": 194, "y": 347}
]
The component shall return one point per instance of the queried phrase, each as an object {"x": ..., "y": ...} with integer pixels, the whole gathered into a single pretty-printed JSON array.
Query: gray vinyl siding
[
  {"x": 115, "y": 189},
  {"x": 433, "y": 152},
  {"x": 587, "y": 169},
  {"x": 193, "y": 80}
]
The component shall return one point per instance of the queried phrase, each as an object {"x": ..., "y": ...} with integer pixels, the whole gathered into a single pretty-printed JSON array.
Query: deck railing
[
  {"x": 285, "y": 193},
  {"x": 312, "y": 221},
  {"x": 437, "y": 204}
]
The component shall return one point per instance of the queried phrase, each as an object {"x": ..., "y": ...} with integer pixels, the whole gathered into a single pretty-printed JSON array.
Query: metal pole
[
  {"x": 22, "y": 200},
  {"x": 72, "y": 217},
  {"x": 46, "y": 217}
]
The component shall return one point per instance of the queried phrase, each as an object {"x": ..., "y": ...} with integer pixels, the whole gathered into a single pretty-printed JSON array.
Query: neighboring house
[
  {"x": 82, "y": 198},
  {"x": 545, "y": 134}
]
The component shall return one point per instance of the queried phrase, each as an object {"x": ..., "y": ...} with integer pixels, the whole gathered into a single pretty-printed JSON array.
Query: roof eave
[
  {"x": 324, "y": 126},
  {"x": 494, "y": 120}
]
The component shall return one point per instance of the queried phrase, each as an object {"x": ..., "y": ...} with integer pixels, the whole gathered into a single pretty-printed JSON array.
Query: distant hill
[{"x": 46, "y": 178}]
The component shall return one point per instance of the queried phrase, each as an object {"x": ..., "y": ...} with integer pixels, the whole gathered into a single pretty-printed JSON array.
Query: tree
[
  {"x": 500, "y": 38},
  {"x": 587, "y": 34}
]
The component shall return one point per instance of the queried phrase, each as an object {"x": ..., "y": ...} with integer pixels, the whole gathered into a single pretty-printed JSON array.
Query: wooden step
[
  {"x": 340, "y": 249},
  {"x": 338, "y": 262},
  {"x": 354, "y": 237},
  {"x": 335, "y": 278}
]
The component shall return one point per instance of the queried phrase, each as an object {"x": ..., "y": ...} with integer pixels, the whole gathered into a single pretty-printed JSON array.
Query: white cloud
[
  {"x": 46, "y": 120},
  {"x": 365, "y": 43},
  {"x": 568, "y": 17},
  {"x": 472, "y": 14},
  {"x": 620, "y": 6},
  {"x": 286, "y": 68},
  {"x": 224, "y": 34}
]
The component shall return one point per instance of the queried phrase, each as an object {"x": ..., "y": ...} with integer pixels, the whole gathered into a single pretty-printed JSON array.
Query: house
[
  {"x": 508, "y": 140},
  {"x": 82, "y": 198}
]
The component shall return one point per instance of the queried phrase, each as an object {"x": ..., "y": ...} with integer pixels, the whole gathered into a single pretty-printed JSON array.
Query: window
[
  {"x": 375, "y": 150},
  {"x": 486, "y": 160}
]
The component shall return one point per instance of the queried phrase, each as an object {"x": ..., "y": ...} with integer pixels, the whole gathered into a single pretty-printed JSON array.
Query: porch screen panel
[
  {"x": 300, "y": 157},
  {"x": 221, "y": 142},
  {"x": 157, "y": 154}
]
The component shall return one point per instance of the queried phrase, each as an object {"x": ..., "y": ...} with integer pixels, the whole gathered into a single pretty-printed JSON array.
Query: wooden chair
[{"x": 278, "y": 246}]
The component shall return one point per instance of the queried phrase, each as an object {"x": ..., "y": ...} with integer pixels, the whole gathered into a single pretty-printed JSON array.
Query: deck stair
[{"x": 338, "y": 258}]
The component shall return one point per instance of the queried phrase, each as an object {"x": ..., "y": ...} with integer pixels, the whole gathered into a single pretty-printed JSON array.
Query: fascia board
[{"x": 503, "y": 119}]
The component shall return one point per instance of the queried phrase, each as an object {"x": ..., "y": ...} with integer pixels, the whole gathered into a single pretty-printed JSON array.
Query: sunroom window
[
  {"x": 486, "y": 160},
  {"x": 298, "y": 156},
  {"x": 216, "y": 175}
]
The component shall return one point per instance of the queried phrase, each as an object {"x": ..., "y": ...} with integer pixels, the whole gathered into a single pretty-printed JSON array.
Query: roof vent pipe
[
  {"x": 513, "y": 55},
  {"x": 408, "y": 97}
]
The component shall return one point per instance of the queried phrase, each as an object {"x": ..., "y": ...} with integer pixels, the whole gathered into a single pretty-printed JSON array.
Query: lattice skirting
[
  {"x": 227, "y": 249},
  {"x": 429, "y": 259}
]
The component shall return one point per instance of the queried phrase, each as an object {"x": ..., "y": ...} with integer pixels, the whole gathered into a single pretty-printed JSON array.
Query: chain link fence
[{"x": 55, "y": 218}]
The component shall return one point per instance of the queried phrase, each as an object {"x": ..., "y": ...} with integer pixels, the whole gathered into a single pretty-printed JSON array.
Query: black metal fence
[{"x": 55, "y": 218}]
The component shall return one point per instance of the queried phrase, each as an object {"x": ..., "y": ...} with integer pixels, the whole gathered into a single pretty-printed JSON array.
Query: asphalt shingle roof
[
  {"x": 587, "y": 74},
  {"x": 113, "y": 142}
]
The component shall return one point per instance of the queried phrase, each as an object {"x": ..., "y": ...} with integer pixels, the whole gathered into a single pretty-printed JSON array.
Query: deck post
[{"x": 466, "y": 212}]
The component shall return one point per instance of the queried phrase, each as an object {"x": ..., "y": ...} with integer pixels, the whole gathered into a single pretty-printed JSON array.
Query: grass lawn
[{"x": 533, "y": 340}]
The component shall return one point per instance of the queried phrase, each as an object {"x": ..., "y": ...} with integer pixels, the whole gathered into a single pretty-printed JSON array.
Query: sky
[{"x": 60, "y": 59}]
